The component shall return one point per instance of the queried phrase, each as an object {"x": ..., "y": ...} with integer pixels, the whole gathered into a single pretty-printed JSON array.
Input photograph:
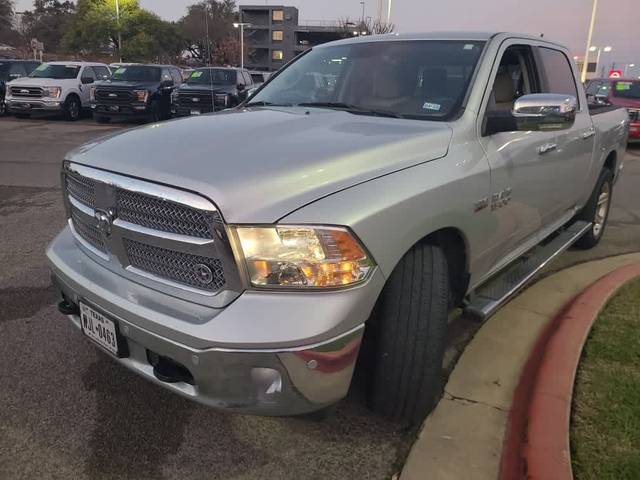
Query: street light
[
  {"x": 241, "y": 25},
  {"x": 119, "y": 32},
  {"x": 599, "y": 50}
]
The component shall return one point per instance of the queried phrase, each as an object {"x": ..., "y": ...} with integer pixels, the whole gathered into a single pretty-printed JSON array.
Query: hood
[
  {"x": 209, "y": 88},
  {"x": 127, "y": 85},
  {"x": 258, "y": 165},
  {"x": 39, "y": 82}
]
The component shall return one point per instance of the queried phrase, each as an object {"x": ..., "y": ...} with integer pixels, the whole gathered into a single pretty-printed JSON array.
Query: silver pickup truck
[{"x": 249, "y": 259}]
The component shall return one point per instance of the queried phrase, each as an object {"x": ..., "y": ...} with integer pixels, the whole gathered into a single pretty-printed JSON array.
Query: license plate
[
  {"x": 114, "y": 108},
  {"x": 99, "y": 328},
  {"x": 195, "y": 112}
]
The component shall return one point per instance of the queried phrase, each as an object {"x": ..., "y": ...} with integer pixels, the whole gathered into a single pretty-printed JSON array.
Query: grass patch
[{"x": 605, "y": 422}]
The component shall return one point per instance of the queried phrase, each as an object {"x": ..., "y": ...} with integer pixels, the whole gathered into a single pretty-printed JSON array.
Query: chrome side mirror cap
[{"x": 545, "y": 111}]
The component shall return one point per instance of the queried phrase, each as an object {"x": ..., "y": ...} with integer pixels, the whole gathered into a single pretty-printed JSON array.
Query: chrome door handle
[
  {"x": 547, "y": 147},
  {"x": 589, "y": 133}
]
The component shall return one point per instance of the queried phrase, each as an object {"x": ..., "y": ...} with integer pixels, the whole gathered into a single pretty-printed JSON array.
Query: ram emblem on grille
[{"x": 105, "y": 219}]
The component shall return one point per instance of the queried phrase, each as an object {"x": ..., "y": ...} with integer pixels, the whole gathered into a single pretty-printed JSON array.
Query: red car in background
[{"x": 619, "y": 92}]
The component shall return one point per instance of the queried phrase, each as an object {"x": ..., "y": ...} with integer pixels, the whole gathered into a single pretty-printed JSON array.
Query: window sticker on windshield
[
  {"x": 41, "y": 67},
  {"x": 196, "y": 74},
  {"x": 468, "y": 46},
  {"x": 623, "y": 86},
  {"x": 431, "y": 106},
  {"x": 120, "y": 71}
]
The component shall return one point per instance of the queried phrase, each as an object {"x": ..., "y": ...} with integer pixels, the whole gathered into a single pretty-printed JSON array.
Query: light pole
[
  {"x": 627, "y": 67},
  {"x": 119, "y": 32},
  {"x": 362, "y": 3},
  {"x": 599, "y": 50},
  {"x": 241, "y": 25},
  {"x": 589, "y": 36},
  {"x": 389, "y": 12}
]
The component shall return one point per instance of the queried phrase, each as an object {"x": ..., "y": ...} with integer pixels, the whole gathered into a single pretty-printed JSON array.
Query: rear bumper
[{"x": 265, "y": 380}]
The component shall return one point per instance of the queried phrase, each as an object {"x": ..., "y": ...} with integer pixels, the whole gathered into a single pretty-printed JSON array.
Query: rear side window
[{"x": 558, "y": 74}]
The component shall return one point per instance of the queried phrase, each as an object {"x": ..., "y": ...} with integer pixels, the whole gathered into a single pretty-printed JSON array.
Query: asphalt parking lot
[{"x": 70, "y": 412}]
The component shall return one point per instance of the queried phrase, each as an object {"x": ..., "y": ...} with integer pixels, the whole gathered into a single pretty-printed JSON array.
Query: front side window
[
  {"x": 16, "y": 70},
  {"x": 89, "y": 73},
  {"x": 627, "y": 89},
  {"x": 212, "y": 76},
  {"x": 558, "y": 74},
  {"x": 102, "y": 72},
  {"x": 136, "y": 73},
  {"x": 56, "y": 71},
  {"x": 413, "y": 79}
]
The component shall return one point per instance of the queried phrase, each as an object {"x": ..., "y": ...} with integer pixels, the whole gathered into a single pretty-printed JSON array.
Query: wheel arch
[{"x": 610, "y": 162}]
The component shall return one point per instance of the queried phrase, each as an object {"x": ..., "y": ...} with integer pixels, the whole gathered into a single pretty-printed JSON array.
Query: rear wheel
[
  {"x": 72, "y": 108},
  {"x": 409, "y": 333},
  {"x": 596, "y": 211}
]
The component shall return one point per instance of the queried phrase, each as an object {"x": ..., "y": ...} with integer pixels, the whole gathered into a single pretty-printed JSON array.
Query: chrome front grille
[
  {"x": 87, "y": 231},
  {"x": 113, "y": 95},
  {"x": 164, "y": 215},
  {"x": 27, "y": 92},
  {"x": 193, "y": 270},
  {"x": 152, "y": 233},
  {"x": 81, "y": 188}
]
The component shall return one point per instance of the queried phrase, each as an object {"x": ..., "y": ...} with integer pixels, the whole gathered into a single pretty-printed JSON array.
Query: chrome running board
[{"x": 487, "y": 298}]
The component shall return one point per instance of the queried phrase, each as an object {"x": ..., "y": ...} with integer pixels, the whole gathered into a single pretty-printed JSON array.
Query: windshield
[
  {"x": 410, "y": 79},
  {"x": 59, "y": 72},
  {"x": 627, "y": 90},
  {"x": 135, "y": 73},
  {"x": 213, "y": 76}
]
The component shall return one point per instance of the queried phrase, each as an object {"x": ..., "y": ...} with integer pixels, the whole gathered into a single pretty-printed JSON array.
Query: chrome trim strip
[
  {"x": 81, "y": 206},
  {"x": 171, "y": 283},
  {"x": 174, "y": 237},
  {"x": 159, "y": 191}
]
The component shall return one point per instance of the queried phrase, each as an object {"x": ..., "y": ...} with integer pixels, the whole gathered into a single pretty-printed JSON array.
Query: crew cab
[
  {"x": 426, "y": 172},
  {"x": 211, "y": 89},
  {"x": 136, "y": 91},
  {"x": 619, "y": 92},
  {"x": 55, "y": 87},
  {"x": 10, "y": 70}
]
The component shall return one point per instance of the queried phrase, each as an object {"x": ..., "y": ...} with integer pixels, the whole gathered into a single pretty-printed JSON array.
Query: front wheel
[
  {"x": 72, "y": 108},
  {"x": 409, "y": 333},
  {"x": 596, "y": 211},
  {"x": 3, "y": 108},
  {"x": 155, "y": 113}
]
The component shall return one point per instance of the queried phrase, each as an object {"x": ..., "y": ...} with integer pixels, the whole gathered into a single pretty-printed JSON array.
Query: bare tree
[{"x": 369, "y": 26}]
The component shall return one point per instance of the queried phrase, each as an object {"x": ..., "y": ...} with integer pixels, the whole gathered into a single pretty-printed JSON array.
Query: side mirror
[
  {"x": 545, "y": 111},
  {"x": 602, "y": 99},
  {"x": 240, "y": 87},
  {"x": 166, "y": 84},
  {"x": 86, "y": 80}
]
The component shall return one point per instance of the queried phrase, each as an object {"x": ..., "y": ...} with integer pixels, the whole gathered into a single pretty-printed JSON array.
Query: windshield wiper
[
  {"x": 351, "y": 109},
  {"x": 268, "y": 104}
]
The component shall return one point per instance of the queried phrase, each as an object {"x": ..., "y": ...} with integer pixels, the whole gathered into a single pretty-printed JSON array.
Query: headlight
[
  {"x": 51, "y": 92},
  {"x": 141, "y": 95},
  {"x": 299, "y": 256},
  {"x": 221, "y": 99},
  {"x": 92, "y": 94}
]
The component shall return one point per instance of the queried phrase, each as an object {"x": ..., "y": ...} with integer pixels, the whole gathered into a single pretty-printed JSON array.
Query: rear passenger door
[{"x": 574, "y": 145}]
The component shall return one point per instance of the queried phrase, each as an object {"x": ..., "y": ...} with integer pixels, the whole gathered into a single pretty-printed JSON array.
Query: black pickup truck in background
[
  {"x": 136, "y": 91},
  {"x": 211, "y": 89},
  {"x": 10, "y": 70}
]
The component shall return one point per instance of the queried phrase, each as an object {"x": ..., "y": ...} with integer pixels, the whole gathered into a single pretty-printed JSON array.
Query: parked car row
[
  {"x": 618, "y": 92},
  {"x": 121, "y": 91}
]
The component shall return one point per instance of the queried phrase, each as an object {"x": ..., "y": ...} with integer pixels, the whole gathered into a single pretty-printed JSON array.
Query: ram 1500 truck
[{"x": 247, "y": 259}]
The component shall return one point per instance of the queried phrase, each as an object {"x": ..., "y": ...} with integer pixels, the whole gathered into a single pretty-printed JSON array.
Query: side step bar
[{"x": 490, "y": 296}]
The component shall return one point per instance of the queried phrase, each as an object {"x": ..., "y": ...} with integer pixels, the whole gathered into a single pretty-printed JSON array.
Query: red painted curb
[{"x": 536, "y": 444}]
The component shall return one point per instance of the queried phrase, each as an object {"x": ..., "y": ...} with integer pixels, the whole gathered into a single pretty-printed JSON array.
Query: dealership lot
[{"x": 69, "y": 409}]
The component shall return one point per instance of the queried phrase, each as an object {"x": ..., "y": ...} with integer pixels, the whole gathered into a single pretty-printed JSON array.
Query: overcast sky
[{"x": 617, "y": 25}]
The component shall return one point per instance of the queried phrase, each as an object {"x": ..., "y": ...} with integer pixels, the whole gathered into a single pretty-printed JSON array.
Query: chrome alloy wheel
[{"x": 602, "y": 209}]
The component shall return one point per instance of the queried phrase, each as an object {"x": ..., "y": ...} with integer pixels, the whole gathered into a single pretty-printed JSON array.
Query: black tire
[
  {"x": 72, "y": 108},
  {"x": 409, "y": 333},
  {"x": 3, "y": 108},
  {"x": 596, "y": 212},
  {"x": 155, "y": 113},
  {"x": 101, "y": 119}
]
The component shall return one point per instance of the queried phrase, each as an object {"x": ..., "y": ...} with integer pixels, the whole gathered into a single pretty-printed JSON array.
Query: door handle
[
  {"x": 589, "y": 133},
  {"x": 547, "y": 147}
]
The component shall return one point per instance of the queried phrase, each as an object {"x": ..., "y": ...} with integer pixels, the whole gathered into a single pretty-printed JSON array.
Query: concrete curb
[
  {"x": 537, "y": 439},
  {"x": 464, "y": 437}
]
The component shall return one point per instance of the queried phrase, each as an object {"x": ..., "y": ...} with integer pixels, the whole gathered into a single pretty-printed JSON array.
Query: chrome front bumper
[
  {"x": 29, "y": 105},
  {"x": 265, "y": 380}
]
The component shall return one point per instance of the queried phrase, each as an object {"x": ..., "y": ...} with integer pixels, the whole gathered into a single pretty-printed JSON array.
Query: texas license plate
[
  {"x": 99, "y": 328},
  {"x": 195, "y": 112}
]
